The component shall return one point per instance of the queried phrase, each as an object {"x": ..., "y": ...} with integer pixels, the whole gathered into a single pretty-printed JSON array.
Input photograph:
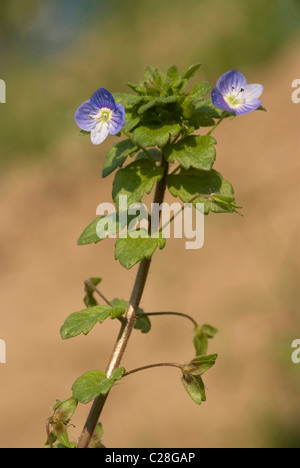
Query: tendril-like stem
[{"x": 150, "y": 366}]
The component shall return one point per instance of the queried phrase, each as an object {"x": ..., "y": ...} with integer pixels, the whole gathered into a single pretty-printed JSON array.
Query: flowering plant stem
[
  {"x": 218, "y": 123},
  {"x": 150, "y": 366},
  {"x": 126, "y": 328}
]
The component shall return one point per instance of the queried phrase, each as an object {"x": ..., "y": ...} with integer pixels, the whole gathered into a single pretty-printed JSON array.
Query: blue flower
[
  {"x": 235, "y": 95},
  {"x": 100, "y": 116}
]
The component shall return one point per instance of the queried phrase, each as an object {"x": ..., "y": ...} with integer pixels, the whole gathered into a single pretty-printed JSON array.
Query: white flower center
[
  {"x": 103, "y": 115},
  {"x": 235, "y": 98}
]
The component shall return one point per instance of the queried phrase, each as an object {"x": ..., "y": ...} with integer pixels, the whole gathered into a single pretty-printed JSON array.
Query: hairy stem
[{"x": 126, "y": 327}]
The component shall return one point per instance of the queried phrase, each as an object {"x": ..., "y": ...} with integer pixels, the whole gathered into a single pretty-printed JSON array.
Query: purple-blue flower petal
[
  {"x": 117, "y": 119},
  {"x": 82, "y": 116},
  {"x": 103, "y": 98},
  {"x": 218, "y": 100},
  {"x": 248, "y": 107},
  {"x": 231, "y": 80}
]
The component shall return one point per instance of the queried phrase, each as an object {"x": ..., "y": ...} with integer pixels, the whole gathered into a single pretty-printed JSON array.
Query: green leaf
[
  {"x": 116, "y": 156},
  {"x": 199, "y": 90},
  {"x": 195, "y": 388},
  {"x": 142, "y": 322},
  {"x": 64, "y": 410},
  {"x": 131, "y": 122},
  {"x": 136, "y": 88},
  {"x": 174, "y": 80},
  {"x": 62, "y": 446},
  {"x": 85, "y": 320},
  {"x": 90, "y": 385},
  {"x": 155, "y": 135},
  {"x": 202, "y": 335},
  {"x": 94, "y": 383},
  {"x": 59, "y": 430},
  {"x": 200, "y": 364},
  {"x": 191, "y": 71},
  {"x": 84, "y": 133},
  {"x": 113, "y": 225},
  {"x": 89, "y": 299},
  {"x": 89, "y": 235},
  {"x": 188, "y": 184},
  {"x": 160, "y": 101},
  {"x": 194, "y": 151},
  {"x": 132, "y": 249},
  {"x": 128, "y": 100},
  {"x": 134, "y": 180}
]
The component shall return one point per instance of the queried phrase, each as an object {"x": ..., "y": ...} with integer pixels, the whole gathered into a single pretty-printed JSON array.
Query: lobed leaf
[
  {"x": 193, "y": 151},
  {"x": 85, "y": 320},
  {"x": 134, "y": 180},
  {"x": 133, "y": 249},
  {"x": 188, "y": 184},
  {"x": 94, "y": 383},
  {"x": 155, "y": 135}
]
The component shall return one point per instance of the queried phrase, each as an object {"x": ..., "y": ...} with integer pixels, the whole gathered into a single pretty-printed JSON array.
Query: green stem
[
  {"x": 150, "y": 366},
  {"x": 140, "y": 147},
  {"x": 218, "y": 123},
  {"x": 96, "y": 290},
  {"x": 179, "y": 314},
  {"x": 93, "y": 287}
]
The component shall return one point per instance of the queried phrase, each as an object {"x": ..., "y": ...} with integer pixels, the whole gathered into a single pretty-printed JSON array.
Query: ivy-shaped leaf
[
  {"x": 194, "y": 151},
  {"x": 133, "y": 248},
  {"x": 155, "y": 135},
  {"x": 134, "y": 180}
]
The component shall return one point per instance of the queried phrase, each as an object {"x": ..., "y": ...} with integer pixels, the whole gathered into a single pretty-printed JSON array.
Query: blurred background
[{"x": 245, "y": 281}]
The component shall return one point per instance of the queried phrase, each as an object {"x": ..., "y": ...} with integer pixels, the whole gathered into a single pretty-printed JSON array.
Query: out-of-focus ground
[{"x": 245, "y": 281}]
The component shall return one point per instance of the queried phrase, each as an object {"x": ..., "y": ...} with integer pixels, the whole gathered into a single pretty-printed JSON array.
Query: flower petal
[
  {"x": 218, "y": 101},
  {"x": 82, "y": 116},
  {"x": 252, "y": 91},
  {"x": 248, "y": 107},
  {"x": 231, "y": 80},
  {"x": 99, "y": 133},
  {"x": 117, "y": 120},
  {"x": 103, "y": 98}
]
